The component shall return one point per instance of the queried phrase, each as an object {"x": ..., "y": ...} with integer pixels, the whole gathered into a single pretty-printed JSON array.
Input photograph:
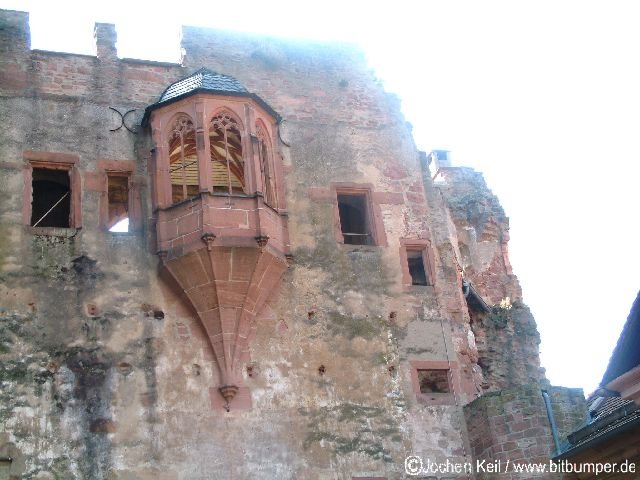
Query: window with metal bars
[{"x": 183, "y": 162}]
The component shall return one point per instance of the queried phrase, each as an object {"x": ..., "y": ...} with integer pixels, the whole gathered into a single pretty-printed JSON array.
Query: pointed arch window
[
  {"x": 183, "y": 162},
  {"x": 266, "y": 168},
  {"x": 227, "y": 164}
]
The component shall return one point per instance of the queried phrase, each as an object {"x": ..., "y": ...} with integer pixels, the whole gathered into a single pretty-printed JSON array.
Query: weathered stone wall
[
  {"x": 122, "y": 392},
  {"x": 104, "y": 367},
  {"x": 512, "y": 427},
  {"x": 506, "y": 338}
]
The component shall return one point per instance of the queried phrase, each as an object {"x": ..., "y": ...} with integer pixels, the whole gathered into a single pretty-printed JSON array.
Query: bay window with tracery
[
  {"x": 266, "y": 168},
  {"x": 215, "y": 164},
  {"x": 183, "y": 161},
  {"x": 227, "y": 163}
]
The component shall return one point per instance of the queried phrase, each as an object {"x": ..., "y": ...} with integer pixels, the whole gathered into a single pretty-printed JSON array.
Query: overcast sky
[{"x": 541, "y": 96}]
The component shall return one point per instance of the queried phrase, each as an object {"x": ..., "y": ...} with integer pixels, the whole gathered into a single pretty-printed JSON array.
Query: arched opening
[
  {"x": 227, "y": 164},
  {"x": 266, "y": 169},
  {"x": 183, "y": 162}
]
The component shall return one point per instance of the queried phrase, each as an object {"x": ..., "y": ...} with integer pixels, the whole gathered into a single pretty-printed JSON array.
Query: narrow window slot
[
  {"x": 416, "y": 267},
  {"x": 118, "y": 196}
]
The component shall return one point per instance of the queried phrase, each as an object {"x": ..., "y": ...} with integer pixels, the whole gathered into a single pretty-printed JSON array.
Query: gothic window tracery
[
  {"x": 227, "y": 163},
  {"x": 266, "y": 168},
  {"x": 183, "y": 162}
]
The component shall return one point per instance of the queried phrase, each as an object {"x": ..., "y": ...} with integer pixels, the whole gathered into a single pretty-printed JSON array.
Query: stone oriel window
[
  {"x": 417, "y": 262},
  {"x": 183, "y": 162},
  {"x": 52, "y": 190},
  {"x": 227, "y": 163},
  {"x": 266, "y": 168}
]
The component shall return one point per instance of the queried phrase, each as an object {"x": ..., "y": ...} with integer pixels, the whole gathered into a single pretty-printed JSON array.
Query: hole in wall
[
  {"x": 252, "y": 370},
  {"x": 125, "y": 368},
  {"x": 321, "y": 370},
  {"x": 434, "y": 381}
]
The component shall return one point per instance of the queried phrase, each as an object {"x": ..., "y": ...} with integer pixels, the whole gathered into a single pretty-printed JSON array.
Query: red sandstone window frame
[
  {"x": 428, "y": 261},
  {"x": 241, "y": 175},
  {"x": 52, "y": 161},
  {"x": 120, "y": 168},
  {"x": 266, "y": 165},
  {"x": 374, "y": 212},
  {"x": 448, "y": 398}
]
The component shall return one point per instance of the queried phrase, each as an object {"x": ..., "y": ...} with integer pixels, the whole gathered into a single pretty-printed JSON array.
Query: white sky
[{"x": 543, "y": 97}]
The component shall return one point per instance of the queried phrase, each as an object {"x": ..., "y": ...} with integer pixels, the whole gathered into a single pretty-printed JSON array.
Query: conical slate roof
[
  {"x": 205, "y": 80},
  {"x": 202, "y": 80}
]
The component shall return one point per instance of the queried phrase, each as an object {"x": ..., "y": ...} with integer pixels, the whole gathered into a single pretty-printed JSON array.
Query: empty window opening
[
  {"x": 183, "y": 162},
  {"x": 227, "y": 163},
  {"x": 434, "y": 381},
  {"x": 417, "y": 271},
  {"x": 354, "y": 219},
  {"x": 51, "y": 198},
  {"x": 118, "y": 195}
]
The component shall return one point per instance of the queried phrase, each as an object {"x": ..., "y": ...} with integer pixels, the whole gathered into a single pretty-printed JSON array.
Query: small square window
[
  {"x": 434, "y": 381},
  {"x": 416, "y": 258},
  {"x": 118, "y": 197},
  {"x": 415, "y": 262},
  {"x": 355, "y": 222},
  {"x": 51, "y": 198}
]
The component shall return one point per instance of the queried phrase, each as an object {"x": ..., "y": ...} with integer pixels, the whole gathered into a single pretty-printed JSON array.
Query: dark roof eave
[
  {"x": 253, "y": 96},
  {"x": 473, "y": 297},
  {"x": 625, "y": 355},
  {"x": 597, "y": 440}
]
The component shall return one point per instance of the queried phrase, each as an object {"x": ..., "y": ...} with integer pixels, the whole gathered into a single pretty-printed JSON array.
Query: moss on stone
[
  {"x": 369, "y": 428},
  {"x": 351, "y": 327}
]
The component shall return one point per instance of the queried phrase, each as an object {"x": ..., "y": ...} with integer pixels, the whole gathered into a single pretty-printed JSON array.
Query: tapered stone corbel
[
  {"x": 228, "y": 392},
  {"x": 262, "y": 240},
  {"x": 162, "y": 255},
  {"x": 208, "y": 239}
]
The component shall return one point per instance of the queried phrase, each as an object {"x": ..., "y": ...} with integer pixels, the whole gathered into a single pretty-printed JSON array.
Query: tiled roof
[
  {"x": 608, "y": 415},
  {"x": 600, "y": 407},
  {"x": 203, "y": 79}
]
